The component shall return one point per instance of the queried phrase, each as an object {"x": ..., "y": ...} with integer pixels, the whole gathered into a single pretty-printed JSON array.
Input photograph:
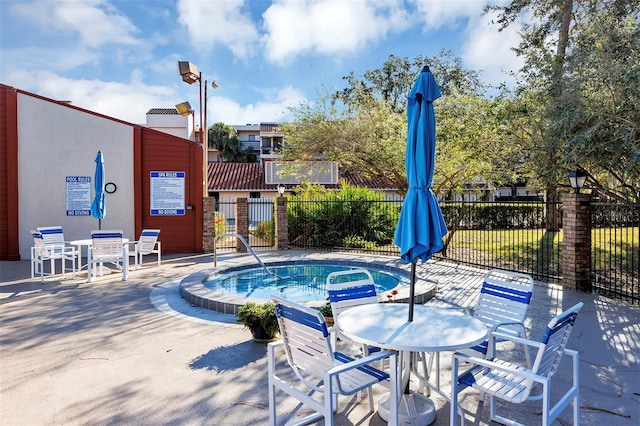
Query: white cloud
[
  {"x": 223, "y": 22},
  {"x": 327, "y": 27},
  {"x": 128, "y": 101},
  {"x": 274, "y": 107},
  {"x": 447, "y": 13},
  {"x": 96, "y": 22},
  {"x": 489, "y": 51}
]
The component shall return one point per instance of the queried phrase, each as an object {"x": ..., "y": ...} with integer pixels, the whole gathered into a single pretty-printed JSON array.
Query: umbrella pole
[
  {"x": 412, "y": 290},
  {"x": 100, "y": 224}
]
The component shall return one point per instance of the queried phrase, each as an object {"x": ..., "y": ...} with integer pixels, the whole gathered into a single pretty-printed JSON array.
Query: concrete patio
[{"x": 134, "y": 352}]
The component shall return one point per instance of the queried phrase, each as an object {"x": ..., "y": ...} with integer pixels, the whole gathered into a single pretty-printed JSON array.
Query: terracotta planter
[{"x": 329, "y": 321}]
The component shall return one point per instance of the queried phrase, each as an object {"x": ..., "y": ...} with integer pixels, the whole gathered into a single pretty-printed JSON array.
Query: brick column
[
  {"x": 576, "y": 244},
  {"x": 242, "y": 223},
  {"x": 281, "y": 224},
  {"x": 208, "y": 230}
]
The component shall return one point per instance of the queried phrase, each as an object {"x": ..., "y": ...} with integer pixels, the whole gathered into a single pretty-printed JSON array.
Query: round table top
[{"x": 433, "y": 329}]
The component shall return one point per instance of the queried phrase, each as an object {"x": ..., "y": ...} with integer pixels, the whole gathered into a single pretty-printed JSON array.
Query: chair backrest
[
  {"x": 106, "y": 244},
  {"x": 306, "y": 339},
  {"x": 38, "y": 243},
  {"x": 52, "y": 235},
  {"x": 353, "y": 287},
  {"x": 504, "y": 297},
  {"x": 147, "y": 240},
  {"x": 554, "y": 340}
]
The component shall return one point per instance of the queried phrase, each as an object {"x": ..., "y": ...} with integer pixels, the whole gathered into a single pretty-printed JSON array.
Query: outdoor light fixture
[
  {"x": 281, "y": 189},
  {"x": 188, "y": 71},
  {"x": 184, "y": 109},
  {"x": 577, "y": 179}
]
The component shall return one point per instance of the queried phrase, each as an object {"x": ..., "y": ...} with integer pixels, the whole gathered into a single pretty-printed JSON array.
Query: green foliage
[
  {"x": 253, "y": 315},
  {"x": 337, "y": 217},
  {"x": 356, "y": 241},
  {"x": 494, "y": 216},
  {"x": 219, "y": 223},
  {"x": 264, "y": 230},
  {"x": 326, "y": 310},
  {"x": 224, "y": 138}
]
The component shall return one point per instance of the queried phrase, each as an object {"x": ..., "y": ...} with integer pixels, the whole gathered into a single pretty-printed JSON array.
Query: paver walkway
[{"x": 113, "y": 352}]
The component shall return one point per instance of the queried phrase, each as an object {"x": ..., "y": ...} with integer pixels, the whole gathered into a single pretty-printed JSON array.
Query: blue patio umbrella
[
  {"x": 98, "y": 207},
  {"x": 421, "y": 226}
]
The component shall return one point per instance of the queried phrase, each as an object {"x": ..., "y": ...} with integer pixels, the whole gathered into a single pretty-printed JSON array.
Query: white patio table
[
  {"x": 88, "y": 242},
  {"x": 433, "y": 329}
]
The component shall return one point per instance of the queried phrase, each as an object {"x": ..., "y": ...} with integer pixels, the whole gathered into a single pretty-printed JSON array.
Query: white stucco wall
[{"x": 55, "y": 141}]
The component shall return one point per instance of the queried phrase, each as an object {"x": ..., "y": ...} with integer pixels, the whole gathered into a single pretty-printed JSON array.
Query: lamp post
[
  {"x": 190, "y": 75},
  {"x": 281, "y": 189},
  {"x": 577, "y": 178}
]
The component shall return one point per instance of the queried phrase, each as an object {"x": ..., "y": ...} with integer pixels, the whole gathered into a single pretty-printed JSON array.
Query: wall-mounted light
[
  {"x": 281, "y": 189},
  {"x": 577, "y": 178}
]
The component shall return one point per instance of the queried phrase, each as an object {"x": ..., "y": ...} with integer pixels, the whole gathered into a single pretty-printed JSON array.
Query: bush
[
  {"x": 355, "y": 216},
  {"x": 219, "y": 223},
  {"x": 264, "y": 230}
]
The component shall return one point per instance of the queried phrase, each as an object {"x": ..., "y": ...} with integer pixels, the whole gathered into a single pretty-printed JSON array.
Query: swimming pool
[
  {"x": 299, "y": 283},
  {"x": 229, "y": 288}
]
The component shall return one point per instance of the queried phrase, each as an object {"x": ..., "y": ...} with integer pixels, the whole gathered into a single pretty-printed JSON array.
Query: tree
[
  {"x": 363, "y": 126},
  {"x": 225, "y": 139},
  {"x": 582, "y": 67}
]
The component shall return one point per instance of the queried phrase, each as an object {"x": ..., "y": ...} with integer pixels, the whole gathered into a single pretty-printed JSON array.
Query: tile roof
[
  {"x": 250, "y": 177},
  {"x": 163, "y": 111}
]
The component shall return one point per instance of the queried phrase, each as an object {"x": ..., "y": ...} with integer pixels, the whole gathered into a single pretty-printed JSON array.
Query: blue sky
[{"x": 118, "y": 57}]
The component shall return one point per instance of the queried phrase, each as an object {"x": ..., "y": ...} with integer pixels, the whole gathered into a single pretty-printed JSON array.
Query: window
[{"x": 254, "y": 195}]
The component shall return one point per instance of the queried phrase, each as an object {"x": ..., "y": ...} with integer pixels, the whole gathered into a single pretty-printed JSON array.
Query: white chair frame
[
  {"x": 514, "y": 383},
  {"x": 107, "y": 246},
  {"x": 49, "y": 248},
  {"x": 306, "y": 341},
  {"x": 147, "y": 244}
]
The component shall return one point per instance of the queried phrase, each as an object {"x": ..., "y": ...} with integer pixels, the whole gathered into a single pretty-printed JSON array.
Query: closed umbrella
[
  {"x": 98, "y": 207},
  {"x": 421, "y": 226}
]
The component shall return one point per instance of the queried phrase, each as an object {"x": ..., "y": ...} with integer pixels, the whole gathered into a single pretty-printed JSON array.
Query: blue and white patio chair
[
  {"x": 502, "y": 306},
  {"x": 147, "y": 244},
  {"x": 514, "y": 383},
  {"x": 107, "y": 246},
  {"x": 49, "y": 244},
  {"x": 349, "y": 288},
  {"x": 311, "y": 356}
]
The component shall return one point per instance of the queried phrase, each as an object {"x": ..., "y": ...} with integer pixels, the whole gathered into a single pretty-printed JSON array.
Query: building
[{"x": 45, "y": 145}]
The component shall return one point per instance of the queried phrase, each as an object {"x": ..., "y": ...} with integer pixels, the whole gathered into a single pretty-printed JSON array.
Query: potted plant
[
  {"x": 260, "y": 319},
  {"x": 328, "y": 313}
]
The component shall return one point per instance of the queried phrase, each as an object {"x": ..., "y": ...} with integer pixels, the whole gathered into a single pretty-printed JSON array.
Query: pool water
[{"x": 302, "y": 283}]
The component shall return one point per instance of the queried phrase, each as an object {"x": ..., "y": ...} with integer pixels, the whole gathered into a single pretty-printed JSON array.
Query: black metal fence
[
  {"x": 615, "y": 250},
  {"x": 507, "y": 235},
  {"x": 515, "y": 236}
]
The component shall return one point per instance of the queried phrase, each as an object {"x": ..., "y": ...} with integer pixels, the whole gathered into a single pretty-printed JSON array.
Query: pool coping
[{"x": 197, "y": 294}]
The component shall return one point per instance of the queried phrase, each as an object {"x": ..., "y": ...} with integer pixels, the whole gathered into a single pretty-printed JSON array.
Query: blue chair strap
[
  {"x": 300, "y": 317},
  {"x": 374, "y": 372},
  {"x": 569, "y": 320},
  {"x": 506, "y": 292},
  {"x": 107, "y": 235},
  {"x": 350, "y": 293}
]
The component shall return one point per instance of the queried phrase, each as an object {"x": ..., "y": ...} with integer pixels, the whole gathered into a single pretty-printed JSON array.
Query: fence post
[
  {"x": 281, "y": 224},
  {"x": 242, "y": 223},
  {"x": 208, "y": 230},
  {"x": 576, "y": 244}
]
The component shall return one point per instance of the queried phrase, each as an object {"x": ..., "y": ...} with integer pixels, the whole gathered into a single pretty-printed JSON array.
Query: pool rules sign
[
  {"x": 167, "y": 193},
  {"x": 78, "y": 195}
]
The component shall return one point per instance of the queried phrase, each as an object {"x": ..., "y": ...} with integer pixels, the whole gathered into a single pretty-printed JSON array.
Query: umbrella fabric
[
  {"x": 421, "y": 226},
  {"x": 98, "y": 207}
]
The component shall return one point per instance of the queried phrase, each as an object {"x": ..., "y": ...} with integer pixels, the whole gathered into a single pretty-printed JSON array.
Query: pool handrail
[{"x": 246, "y": 244}]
